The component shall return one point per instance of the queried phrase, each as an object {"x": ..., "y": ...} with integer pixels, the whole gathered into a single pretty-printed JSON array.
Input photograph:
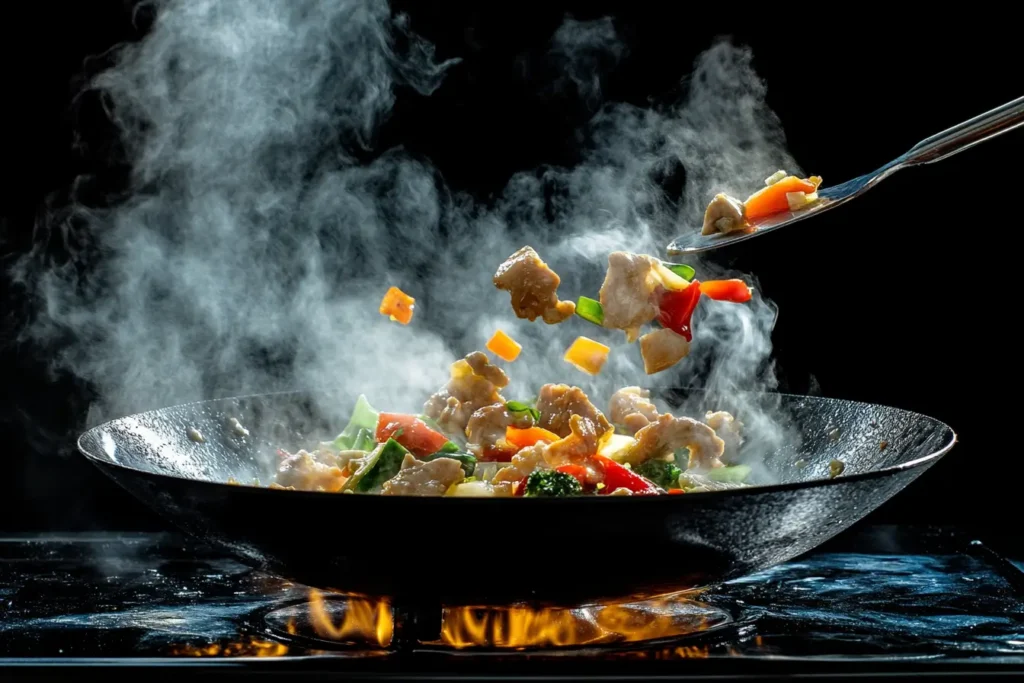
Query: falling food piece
[
  {"x": 661, "y": 349},
  {"x": 504, "y": 346},
  {"x": 533, "y": 287},
  {"x": 587, "y": 355},
  {"x": 397, "y": 305},
  {"x": 195, "y": 435},
  {"x": 735, "y": 291},
  {"x": 883, "y": 445}
]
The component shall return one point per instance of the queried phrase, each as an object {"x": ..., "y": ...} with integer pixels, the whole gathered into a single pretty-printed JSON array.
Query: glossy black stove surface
[{"x": 880, "y": 600}]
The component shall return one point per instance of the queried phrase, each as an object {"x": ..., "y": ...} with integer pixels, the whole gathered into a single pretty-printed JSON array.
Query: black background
[{"x": 906, "y": 297}]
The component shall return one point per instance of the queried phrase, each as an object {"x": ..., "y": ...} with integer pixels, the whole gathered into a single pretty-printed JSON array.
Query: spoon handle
[{"x": 967, "y": 134}]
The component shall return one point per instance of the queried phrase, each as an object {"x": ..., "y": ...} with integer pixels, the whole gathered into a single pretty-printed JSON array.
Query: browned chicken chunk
[
  {"x": 557, "y": 403},
  {"x": 432, "y": 478},
  {"x": 487, "y": 426},
  {"x": 661, "y": 349},
  {"x": 583, "y": 441},
  {"x": 670, "y": 433},
  {"x": 474, "y": 384},
  {"x": 728, "y": 429},
  {"x": 533, "y": 286},
  {"x": 304, "y": 472},
  {"x": 724, "y": 214},
  {"x": 631, "y": 407},
  {"x": 627, "y": 295}
]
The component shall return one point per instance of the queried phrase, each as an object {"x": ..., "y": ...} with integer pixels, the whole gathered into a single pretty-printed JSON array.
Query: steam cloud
[{"x": 255, "y": 247}]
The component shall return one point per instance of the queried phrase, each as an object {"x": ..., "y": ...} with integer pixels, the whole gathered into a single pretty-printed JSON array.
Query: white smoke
[{"x": 256, "y": 243}]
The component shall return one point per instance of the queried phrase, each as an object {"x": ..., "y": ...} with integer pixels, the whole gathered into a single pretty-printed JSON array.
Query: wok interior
[{"x": 865, "y": 437}]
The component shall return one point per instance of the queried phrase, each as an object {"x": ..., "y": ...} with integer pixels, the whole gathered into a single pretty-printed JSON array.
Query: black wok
[{"x": 547, "y": 550}]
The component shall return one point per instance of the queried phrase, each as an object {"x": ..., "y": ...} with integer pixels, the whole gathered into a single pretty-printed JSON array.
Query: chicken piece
[
  {"x": 670, "y": 433},
  {"x": 627, "y": 295},
  {"x": 630, "y": 407},
  {"x": 474, "y": 384},
  {"x": 533, "y": 286},
  {"x": 557, "y": 403},
  {"x": 432, "y": 478},
  {"x": 487, "y": 427},
  {"x": 304, "y": 472},
  {"x": 661, "y": 349},
  {"x": 523, "y": 463},
  {"x": 724, "y": 214},
  {"x": 582, "y": 442},
  {"x": 728, "y": 429}
]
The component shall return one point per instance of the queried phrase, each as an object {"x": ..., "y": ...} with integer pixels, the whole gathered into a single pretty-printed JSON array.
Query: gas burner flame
[
  {"x": 524, "y": 627},
  {"x": 253, "y": 647},
  {"x": 360, "y": 621},
  {"x": 363, "y": 620}
]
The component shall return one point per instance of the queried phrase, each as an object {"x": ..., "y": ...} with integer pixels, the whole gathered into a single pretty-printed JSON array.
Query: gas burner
[{"x": 341, "y": 621}]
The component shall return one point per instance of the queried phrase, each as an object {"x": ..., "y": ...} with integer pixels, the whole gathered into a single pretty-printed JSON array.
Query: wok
[{"x": 543, "y": 550}]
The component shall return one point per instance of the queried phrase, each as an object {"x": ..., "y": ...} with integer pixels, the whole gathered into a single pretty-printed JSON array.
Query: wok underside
[{"x": 464, "y": 550}]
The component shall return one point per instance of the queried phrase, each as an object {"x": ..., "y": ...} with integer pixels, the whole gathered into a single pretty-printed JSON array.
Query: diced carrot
[
  {"x": 587, "y": 355},
  {"x": 524, "y": 438},
  {"x": 504, "y": 346},
  {"x": 397, "y": 305},
  {"x": 676, "y": 492},
  {"x": 735, "y": 291},
  {"x": 772, "y": 199}
]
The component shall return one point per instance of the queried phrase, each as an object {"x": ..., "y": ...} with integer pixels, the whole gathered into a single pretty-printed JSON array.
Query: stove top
[{"x": 882, "y": 599}]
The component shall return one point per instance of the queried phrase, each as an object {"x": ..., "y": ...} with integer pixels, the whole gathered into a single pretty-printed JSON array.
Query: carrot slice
[
  {"x": 504, "y": 346},
  {"x": 524, "y": 438},
  {"x": 772, "y": 199},
  {"x": 587, "y": 355},
  {"x": 397, "y": 305}
]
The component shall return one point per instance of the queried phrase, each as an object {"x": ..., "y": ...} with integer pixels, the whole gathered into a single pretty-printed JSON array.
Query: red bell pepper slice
[
  {"x": 735, "y": 291},
  {"x": 414, "y": 433},
  {"x": 496, "y": 454},
  {"x": 616, "y": 476},
  {"x": 676, "y": 492},
  {"x": 676, "y": 308},
  {"x": 521, "y": 487}
]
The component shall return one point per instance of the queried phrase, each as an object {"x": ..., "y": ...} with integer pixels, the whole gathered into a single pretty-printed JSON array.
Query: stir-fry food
[
  {"x": 638, "y": 290},
  {"x": 471, "y": 441},
  {"x": 782, "y": 192}
]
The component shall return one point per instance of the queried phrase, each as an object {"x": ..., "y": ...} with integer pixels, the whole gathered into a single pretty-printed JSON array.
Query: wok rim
[{"x": 891, "y": 470}]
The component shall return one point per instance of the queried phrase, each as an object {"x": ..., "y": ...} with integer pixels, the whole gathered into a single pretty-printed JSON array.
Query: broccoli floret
[
  {"x": 552, "y": 483},
  {"x": 664, "y": 474}
]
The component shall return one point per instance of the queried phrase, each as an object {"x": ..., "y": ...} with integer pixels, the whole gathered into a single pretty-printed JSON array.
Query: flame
[
  {"x": 364, "y": 620},
  {"x": 251, "y": 648},
  {"x": 523, "y": 627}
]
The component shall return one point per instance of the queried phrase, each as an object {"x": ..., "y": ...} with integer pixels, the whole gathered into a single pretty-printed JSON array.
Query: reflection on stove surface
[{"x": 884, "y": 594}]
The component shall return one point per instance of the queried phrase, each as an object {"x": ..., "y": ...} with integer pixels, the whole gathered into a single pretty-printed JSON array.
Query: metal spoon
[{"x": 938, "y": 147}]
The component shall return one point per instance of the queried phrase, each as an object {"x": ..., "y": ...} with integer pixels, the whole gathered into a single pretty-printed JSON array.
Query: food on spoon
[
  {"x": 724, "y": 214},
  {"x": 782, "y": 192},
  {"x": 587, "y": 355},
  {"x": 504, "y": 346},
  {"x": 397, "y": 305},
  {"x": 533, "y": 287}
]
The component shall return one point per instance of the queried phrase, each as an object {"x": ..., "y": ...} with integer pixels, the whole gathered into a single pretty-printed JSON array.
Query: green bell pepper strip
[{"x": 590, "y": 310}]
